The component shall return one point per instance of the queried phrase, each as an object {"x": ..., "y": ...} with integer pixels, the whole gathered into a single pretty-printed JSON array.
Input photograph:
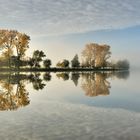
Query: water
[{"x": 81, "y": 106}]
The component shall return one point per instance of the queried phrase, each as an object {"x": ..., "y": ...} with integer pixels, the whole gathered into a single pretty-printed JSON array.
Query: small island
[{"x": 13, "y": 45}]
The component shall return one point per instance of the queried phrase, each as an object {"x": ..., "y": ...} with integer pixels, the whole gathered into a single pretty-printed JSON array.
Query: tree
[
  {"x": 6, "y": 43},
  {"x": 75, "y": 62},
  {"x": 47, "y": 63},
  {"x": 84, "y": 64},
  {"x": 31, "y": 62},
  {"x": 124, "y": 64},
  {"x": 14, "y": 61},
  {"x": 88, "y": 55},
  {"x": 12, "y": 39},
  {"x": 21, "y": 43},
  {"x": 95, "y": 55},
  {"x": 37, "y": 58},
  {"x": 63, "y": 64},
  {"x": 102, "y": 55}
]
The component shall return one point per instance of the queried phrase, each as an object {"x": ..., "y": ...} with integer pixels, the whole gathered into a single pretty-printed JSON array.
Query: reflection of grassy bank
[{"x": 60, "y": 69}]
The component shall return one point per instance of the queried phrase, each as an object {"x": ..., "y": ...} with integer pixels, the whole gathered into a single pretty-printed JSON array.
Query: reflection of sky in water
[
  {"x": 62, "y": 111},
  {"x": 124, "y": 93}
]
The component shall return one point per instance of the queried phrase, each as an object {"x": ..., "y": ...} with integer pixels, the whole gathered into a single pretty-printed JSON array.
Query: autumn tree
[
  {"x": 89, "y": 55},
  {"x": 6, "y": 43},
  {"x": 95, "y": 55},
  {"x": 75, "y": 61},
  {"x": 11, "y": 40},
  {"x": 63, "y": 64},
  {"x": 102, "y": 55},
  {"x": 21, "y": 43}
]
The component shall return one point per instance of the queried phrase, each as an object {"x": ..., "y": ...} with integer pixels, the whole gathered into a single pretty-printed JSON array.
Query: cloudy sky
[{"x": 63, "y": 27}]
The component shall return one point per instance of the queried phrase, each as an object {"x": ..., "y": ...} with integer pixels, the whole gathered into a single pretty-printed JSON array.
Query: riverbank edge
[{"x": 60, "y": 69}]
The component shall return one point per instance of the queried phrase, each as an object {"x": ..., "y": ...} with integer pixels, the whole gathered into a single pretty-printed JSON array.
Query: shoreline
[{"x": 60, "y": 69}]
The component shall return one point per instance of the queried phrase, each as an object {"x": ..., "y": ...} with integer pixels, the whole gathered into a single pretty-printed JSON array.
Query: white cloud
[{"x": 68, "y": 16}]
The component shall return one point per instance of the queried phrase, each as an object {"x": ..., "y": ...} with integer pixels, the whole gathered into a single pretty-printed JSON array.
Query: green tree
[
  {"x": 63, "y": 64},
  {"x": 47, "y": 63},
  {"x": 124, "y": 64},
  {"x": 37, "y": 58},
  {"x": 75, "y": 61}
]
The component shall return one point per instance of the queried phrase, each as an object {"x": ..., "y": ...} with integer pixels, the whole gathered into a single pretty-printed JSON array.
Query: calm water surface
[{"x": 69, "y": 106}]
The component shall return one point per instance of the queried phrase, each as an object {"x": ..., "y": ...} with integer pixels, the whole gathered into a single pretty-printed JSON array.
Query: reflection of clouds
[{"x": 68, "y": 16}]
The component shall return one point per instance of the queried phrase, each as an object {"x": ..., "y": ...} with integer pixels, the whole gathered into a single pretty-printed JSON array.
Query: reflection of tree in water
[
  {"x": 95, "y": 84},
  {"x": 13, "y": 96},
  {"x": 122, "y": 74},
  {"x": 75, "y": 77},
  {"x": 36, "y": 81},
  {"x": 63, "y": 75},
  {"x": 47, "y": 76},
  {"x": 13, "y": 93}
]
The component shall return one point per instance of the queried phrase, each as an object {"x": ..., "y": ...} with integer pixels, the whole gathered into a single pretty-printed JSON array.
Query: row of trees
[
  {"x": 94, "y": 56},
  {"x": 14, "y": 45}
]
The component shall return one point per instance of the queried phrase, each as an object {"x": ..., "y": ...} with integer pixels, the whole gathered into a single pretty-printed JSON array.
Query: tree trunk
[{"x": 9, "y": 59}]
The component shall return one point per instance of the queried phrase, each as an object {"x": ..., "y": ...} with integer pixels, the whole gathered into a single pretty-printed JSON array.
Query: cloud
[{"x": 48, "y": 17}]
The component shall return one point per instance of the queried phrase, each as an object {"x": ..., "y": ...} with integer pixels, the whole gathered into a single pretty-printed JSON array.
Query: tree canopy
[
  {"x": 75, "y": 61},
  {"x": 95, "y": 55},
  {"x": 11, "y": 40},
  {"x": 63, "y": 64}
]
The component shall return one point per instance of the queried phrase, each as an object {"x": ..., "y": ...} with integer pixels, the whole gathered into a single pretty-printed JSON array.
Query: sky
[{"x": 62, "y": 27}]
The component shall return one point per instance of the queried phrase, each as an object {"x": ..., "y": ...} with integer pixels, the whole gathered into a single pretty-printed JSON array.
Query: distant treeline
[{"x": 14, "y": 45}]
